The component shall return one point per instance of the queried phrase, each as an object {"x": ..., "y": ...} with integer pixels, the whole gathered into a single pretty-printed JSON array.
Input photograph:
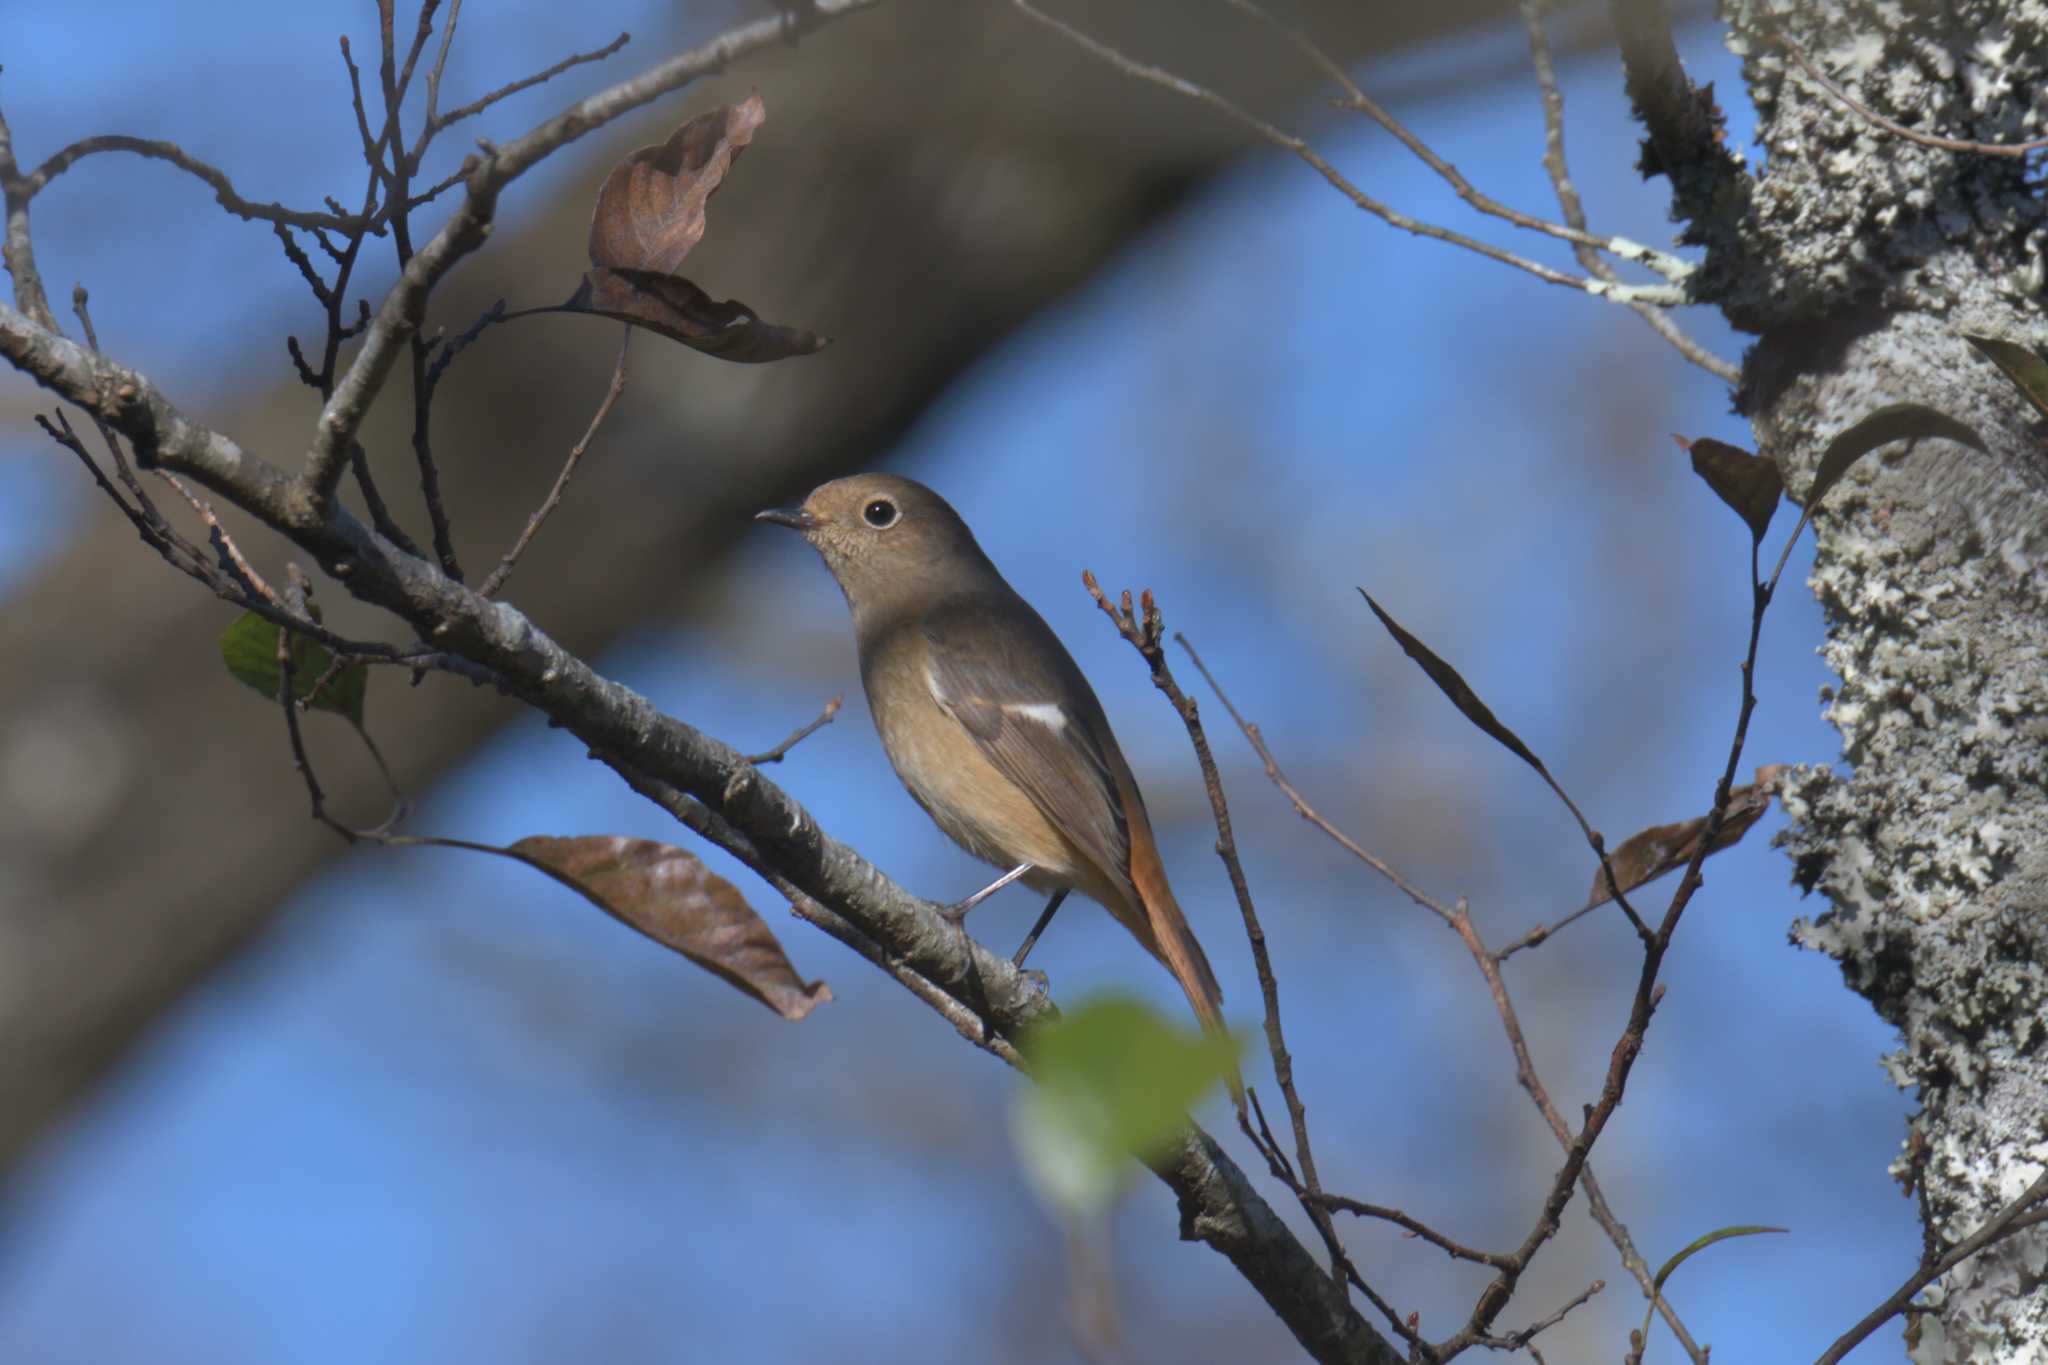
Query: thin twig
[
  {"x": 287, "y": 698},
  {"x": 422, "y": 30},
  {"x": 1543, "y": 931},
  {"x": 553, "y": 500},
  {"x": 1356, "y": 99},
  {"x": 148, "y": 523},
  {"x": 1457, "y": 1250},
  {"x": 224, "y": 190},
  {"x": 395, "y": 170},
  {"x": 1144, "y": 630},
  {"x": 1897, "y": 129},
  {"x": 477, "y": 106},
  {"x": 1517, "y": 1341},
  {"x": 18, "y": 245},
  {"x": 2008, "y": 1220},
  {"x": 1666, "y": 294},
  {"x": 1300, "y": 803},
  {"x": 223, "y": 542},
  {"x": 427, "y": 120},
  {"x": 404, "y": 307},
  {"x": 1489, "y": 965},
  {"x": 1574, "y": 209},
  {"x": 817, "y": 723}
]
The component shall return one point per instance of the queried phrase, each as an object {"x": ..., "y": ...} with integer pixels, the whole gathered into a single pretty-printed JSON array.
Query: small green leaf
[
  {"x": 1699, "y": 1244},
  {"x": 249, "y": 649},
  {"x": 1747, "y": 483},
  {"x": 1113, "y": 1079},
  {"x": 2025, "y": 368},
  {"x": 1894, "y": 422}
]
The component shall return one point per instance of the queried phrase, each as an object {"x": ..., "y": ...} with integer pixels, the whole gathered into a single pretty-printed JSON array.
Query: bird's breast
[{"x": 967, "y": 796}]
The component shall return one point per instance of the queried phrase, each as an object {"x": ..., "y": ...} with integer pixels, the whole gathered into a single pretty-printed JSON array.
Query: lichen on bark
[{"x": 1872, "y": 256}]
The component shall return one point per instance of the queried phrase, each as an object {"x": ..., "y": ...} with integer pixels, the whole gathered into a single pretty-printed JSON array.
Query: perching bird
[{"x": 986, "y": 718}]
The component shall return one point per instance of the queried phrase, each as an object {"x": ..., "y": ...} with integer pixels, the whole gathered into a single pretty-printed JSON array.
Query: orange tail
[{"x": 1174, "y": 943}]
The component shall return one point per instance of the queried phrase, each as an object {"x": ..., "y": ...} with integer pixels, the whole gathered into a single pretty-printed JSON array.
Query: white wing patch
[{"x": 1046, "y": 713}]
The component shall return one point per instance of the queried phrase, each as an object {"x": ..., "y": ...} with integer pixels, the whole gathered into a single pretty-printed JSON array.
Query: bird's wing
[{"x": 1006, "y": 678}]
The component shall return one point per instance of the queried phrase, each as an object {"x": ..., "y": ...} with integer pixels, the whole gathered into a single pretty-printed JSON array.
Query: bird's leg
[
  {"x": 1045, "y": 918},
  {"x": 957, "y": 911}
]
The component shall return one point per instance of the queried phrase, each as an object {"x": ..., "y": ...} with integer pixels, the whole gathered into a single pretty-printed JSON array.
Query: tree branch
[
  {"x": 404, "y": 308},
  {"x": 1663, "y": 295},
  {"x": 755, "y": 819}
]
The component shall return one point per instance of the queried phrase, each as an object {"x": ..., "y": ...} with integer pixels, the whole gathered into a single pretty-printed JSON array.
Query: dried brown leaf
[
  {"x": 680, "y": 311},
  {"x": 650, "y": 210},
  {"x": 1454, "y": 687},
  {"x": 669, "y": 895},
  {"x": 1648, "y": 855},
  {"x": 1748, "y": 483}
]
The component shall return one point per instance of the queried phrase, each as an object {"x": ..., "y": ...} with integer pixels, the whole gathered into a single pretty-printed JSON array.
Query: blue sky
[{"x": 442, "y": 1085}]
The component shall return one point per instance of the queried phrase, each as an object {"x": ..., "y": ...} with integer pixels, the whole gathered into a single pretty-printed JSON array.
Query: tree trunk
[{"x": 1862, "y": 258}]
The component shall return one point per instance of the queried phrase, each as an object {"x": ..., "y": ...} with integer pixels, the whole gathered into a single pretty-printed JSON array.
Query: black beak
[{"x": 795, "y": 518}]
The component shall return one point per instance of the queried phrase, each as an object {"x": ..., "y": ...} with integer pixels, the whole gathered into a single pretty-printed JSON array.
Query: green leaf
[
  {"x": 249, "y": 649},
  {"x": 1699, "y": 1244},
  {"x": 1113, "y": 1079},
  {"x": 1894, "y": 422},
  {"x": 1747, "y": 483},
  {"x": 2026, "y": 369}
]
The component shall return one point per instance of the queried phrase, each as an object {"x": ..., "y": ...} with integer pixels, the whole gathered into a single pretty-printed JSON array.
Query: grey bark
[{"x": 1862, "y": 258}]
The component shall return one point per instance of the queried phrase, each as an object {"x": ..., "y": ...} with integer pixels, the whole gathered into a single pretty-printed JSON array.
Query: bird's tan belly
[{"x": 969, "y": 798}]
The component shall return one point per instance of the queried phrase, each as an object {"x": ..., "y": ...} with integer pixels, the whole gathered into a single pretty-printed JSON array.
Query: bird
[{"x": 988, "y": 721}]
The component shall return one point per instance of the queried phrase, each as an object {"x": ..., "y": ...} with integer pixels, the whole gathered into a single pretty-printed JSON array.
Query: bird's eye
[{"x": 880, "y": 514}]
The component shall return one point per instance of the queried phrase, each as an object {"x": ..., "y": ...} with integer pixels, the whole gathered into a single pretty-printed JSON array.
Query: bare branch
[
  {"x": 1218, "y": 1205},
  {"x": 1355, "y": 98},
  {"x": 1144, "y": 633},
  {"x": 1574, "y": 210},
  {"x": 477, "y": 106},
  {"x": 2023, "y": 1212},
  {"x": 404, "y": 308},
  {"x": 1420, "y": 1229},
  {"x": 1517, "y": 1341},
  {"x": 1667, "y": 294},
  {"x": 230, "y": 552},
  {"x": 1301, "y": 805},
  {"x": 1459, "y": 919},
  {"x": 18, "y": 247},
  {"x": 223, "y": 188},
  {"x": 434, "y": 76}
]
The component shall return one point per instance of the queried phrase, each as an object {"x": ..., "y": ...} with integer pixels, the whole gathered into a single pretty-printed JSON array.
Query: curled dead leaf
[
  {"x": 650, "y": 212},
  {"x": 1649, "y": 854},
  {"x": 680, "y": 311},
  {"x": 650, "y": 209},
  {"x": 1748, "y": 483}
]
